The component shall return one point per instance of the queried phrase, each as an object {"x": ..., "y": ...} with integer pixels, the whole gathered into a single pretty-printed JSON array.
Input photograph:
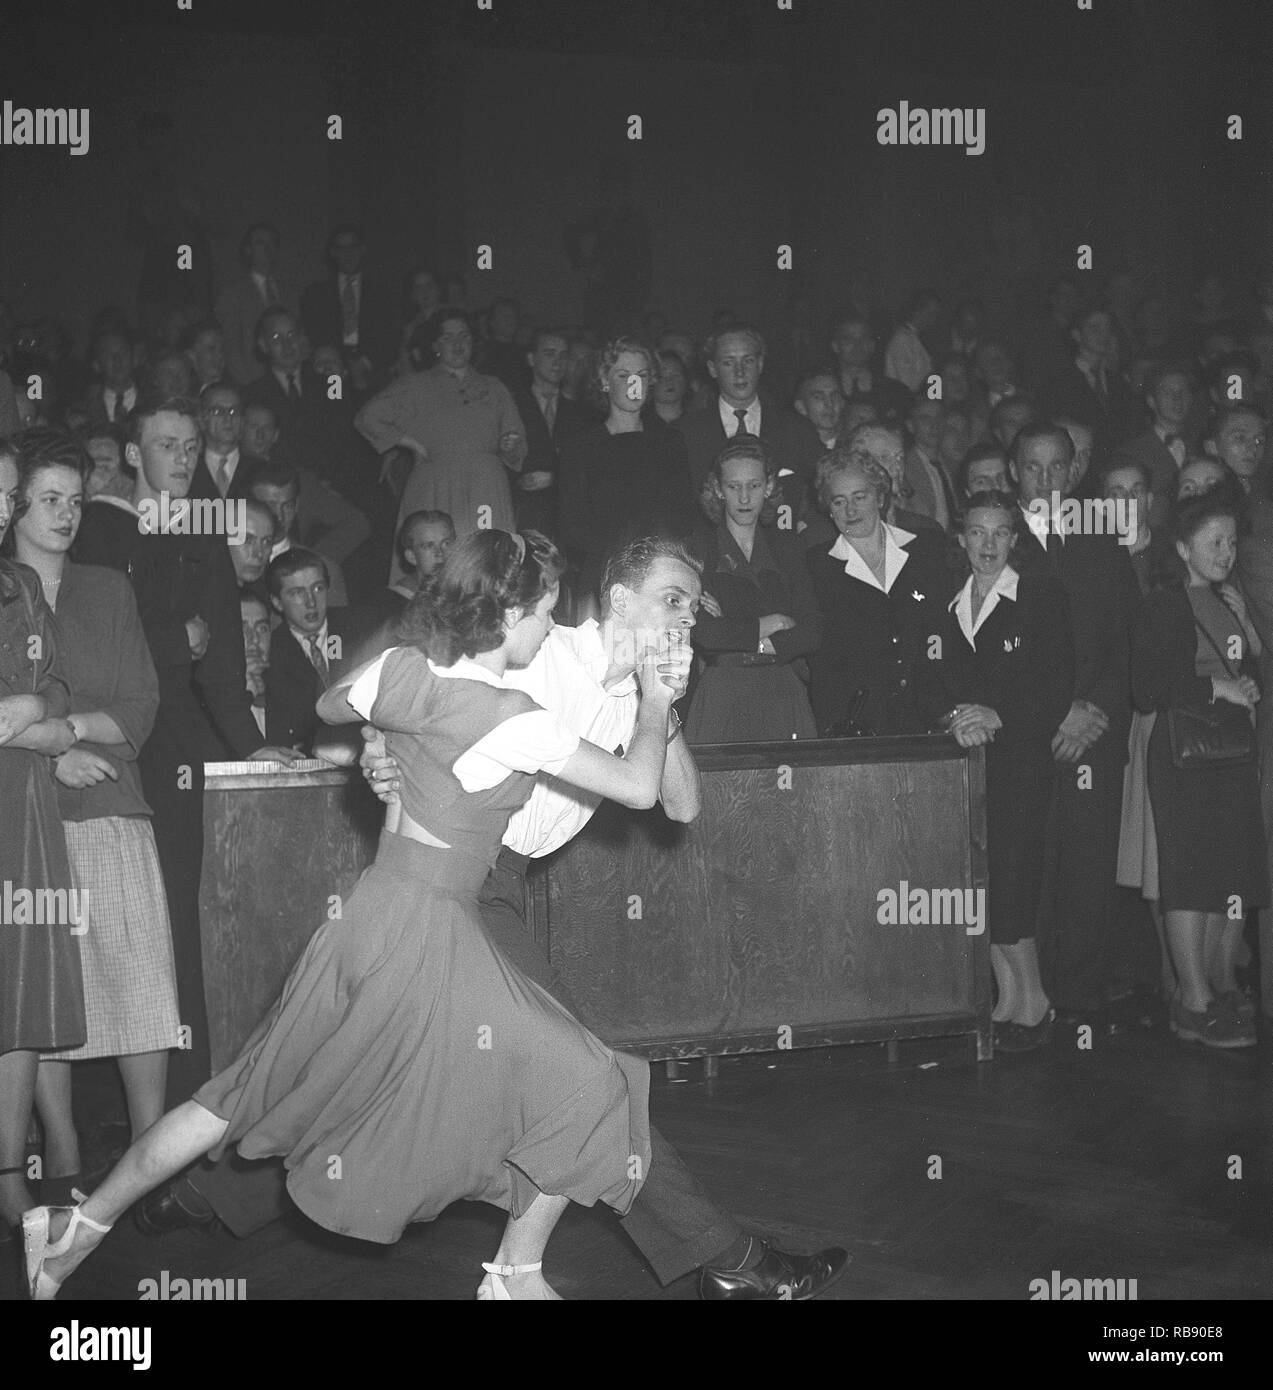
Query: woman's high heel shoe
[
  {"x": 494, "y": 1288},
  {"x": 35, "y": 1233}
]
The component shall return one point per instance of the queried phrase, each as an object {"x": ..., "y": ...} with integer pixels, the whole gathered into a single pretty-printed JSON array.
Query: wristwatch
[{"x": 676, "y": 719}]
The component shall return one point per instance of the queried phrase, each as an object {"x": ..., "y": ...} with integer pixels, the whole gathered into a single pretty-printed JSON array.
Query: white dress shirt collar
[
  {"x": 961, "y": 605},
  {"x": 729, "y": 421},
  {"x": 895, "y": 558}
]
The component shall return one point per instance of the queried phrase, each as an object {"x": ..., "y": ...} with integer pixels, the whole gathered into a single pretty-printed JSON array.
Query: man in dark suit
[
  {"x": 350, "y": 311},
  {"x": 1078, "y": 903},
  {"x": 246, "y": 297},
  {"x": 114, "y": 390},
  {"x": 1090, "y": 389},
  {"x": 308, "y": 649},
  {"x": 1162, "y": 448},
  {"x": 314, "y": 431},
  {"x": 188, "y": 601},
  {"x": 861, "y": 377},
  {"x": 736, "y": 361},
  {"x": 223, "y": 470},
  {"x": 549, "y": 418}
]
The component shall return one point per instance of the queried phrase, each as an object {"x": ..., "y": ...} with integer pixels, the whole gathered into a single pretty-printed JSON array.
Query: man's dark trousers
[{"x": 673, "y": 1222}]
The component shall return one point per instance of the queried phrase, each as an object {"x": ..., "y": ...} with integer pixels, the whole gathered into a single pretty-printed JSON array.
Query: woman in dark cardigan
[
  {"x": 1193, "y": 648},
  {"x": 1002, "y": 675},
  {"x": 753, "y": 686},
  {"x": 882, "y": 591}
]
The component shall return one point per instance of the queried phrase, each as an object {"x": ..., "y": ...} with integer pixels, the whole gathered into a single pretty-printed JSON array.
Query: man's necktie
[
  {"x": 1102, "y": 388},
  {"x": 349, "y": 307},
  {"x": 550, "y": 411},
  {"x": 293, "y": 389},
  {"x": 221, "y": 476},
  {"x": 119, "y": 410},
  {"x": 318, "y": 657},
  {"x": 271, "y": 291},
  {"x": 741, "y": 417}
]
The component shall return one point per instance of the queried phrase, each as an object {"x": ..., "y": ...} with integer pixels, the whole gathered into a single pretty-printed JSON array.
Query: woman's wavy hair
[
  {"x": 1190, "y": 514},
  {"x": 846, "y": 459},
  {"x": 598, "y": 384},
  {"x": 461, "y": 610},
  {"x": 40, "y": 447}
]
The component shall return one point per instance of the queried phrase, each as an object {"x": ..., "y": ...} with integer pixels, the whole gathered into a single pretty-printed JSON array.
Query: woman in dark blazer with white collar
[
  {"x": 1002, "y": 675},
  {"x": 882, "y": 591}
]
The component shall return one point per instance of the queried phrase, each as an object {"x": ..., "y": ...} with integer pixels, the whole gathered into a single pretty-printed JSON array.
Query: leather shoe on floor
[
  {"x": 777, "y": 1276},
  {"x": 174, "y": 1207}
]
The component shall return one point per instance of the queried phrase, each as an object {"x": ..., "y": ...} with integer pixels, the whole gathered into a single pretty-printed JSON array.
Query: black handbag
[{"x": 1218, "y": 735}]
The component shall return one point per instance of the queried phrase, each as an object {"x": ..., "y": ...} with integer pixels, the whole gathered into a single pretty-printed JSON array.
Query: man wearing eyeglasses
[
  {"x": 315, "y": 431},
  {"x": 223, "y": 470}
]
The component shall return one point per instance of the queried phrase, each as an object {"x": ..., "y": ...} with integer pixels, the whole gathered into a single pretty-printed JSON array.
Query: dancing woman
[{"x": 406, "y": 1065}]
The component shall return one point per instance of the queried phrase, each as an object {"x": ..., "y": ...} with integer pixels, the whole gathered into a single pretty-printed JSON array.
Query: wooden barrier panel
[
  {"x": 757, "y": 927},
  {"x": 277, "y": 846}
]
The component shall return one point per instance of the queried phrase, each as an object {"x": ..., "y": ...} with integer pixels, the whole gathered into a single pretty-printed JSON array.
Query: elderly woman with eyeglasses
[{"x": 462, "y": 427}]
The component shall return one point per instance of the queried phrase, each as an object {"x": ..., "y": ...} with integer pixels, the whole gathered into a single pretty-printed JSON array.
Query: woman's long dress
[
  {"x": 41, "y": 991},
  {"x": 406, "y": 1065},
  {"x": 1016, "y": 656},
  {"x": 458, "y": 421},
  {"x": 130, "y": 986}
]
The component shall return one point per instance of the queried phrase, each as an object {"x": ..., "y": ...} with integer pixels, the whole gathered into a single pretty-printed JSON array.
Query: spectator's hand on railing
[
  {"x": 271, "y": 754},
  {"x": 974, "y": 725}
]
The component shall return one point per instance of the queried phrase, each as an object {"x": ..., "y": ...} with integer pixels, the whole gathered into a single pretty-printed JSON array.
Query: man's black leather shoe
[
  {"x": 174, "y": 1207},
  {"x": 779, "y": 1276}
]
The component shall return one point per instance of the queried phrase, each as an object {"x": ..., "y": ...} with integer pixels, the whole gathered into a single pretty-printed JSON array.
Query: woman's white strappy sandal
[
  {"x": 35, "y": 1236},
  {"x": 496, "y": 1289}
]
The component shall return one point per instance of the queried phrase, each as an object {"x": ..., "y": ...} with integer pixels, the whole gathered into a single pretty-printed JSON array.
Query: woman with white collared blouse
[
  {"x": 881, "y": 591},
  {"x": 1001, "y": 676}
]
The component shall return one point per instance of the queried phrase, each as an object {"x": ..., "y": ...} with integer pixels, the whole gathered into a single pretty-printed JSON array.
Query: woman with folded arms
[
  {"x": 753, "y": 687},
  {"x": 41, "y": 995},
  {"x": 130, "y": 992}
]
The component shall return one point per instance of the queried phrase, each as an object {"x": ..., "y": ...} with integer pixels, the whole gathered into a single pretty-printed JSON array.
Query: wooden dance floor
[{"x": 1111, "y": 1163}]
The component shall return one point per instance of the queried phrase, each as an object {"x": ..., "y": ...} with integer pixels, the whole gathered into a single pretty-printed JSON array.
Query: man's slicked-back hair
[
  {"x": 746, "y": 330},
  {"x": 153, "y": 403},
  {"x": 1042, "y": 429},
  {"x": 275, "y": 473},
  {"x": 1230, "y": 412},
  {"x": 547, "y": 331},
  {"x": 291, "y": 562},
  {"x": 630, "y": 564}
]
